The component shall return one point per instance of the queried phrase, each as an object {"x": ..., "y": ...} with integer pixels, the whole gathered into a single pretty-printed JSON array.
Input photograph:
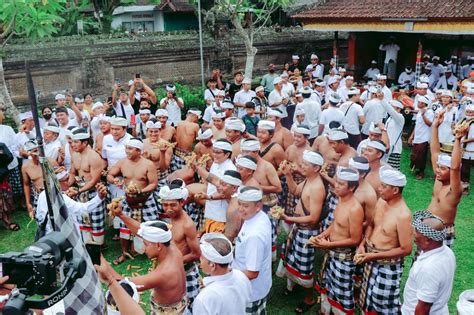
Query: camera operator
[
  {"x": 5, "y": 290},
  {"x": 172, "y": 104}
]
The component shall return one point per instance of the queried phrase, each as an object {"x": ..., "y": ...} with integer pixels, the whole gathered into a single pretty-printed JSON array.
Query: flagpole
[{"x": 39, "y": 137}]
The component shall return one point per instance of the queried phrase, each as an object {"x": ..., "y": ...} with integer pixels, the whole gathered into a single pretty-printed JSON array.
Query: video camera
[{"x": 45, "y": 268}]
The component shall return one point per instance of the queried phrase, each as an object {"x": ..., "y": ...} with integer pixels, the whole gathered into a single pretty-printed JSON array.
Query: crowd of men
[{"x": 305, "y": 155}]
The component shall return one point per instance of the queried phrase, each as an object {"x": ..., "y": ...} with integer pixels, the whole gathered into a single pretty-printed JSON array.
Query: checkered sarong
[
  {"x": 257, "y": 307},
  {"x": 195, "y": 212},
  {"x": 330, "y": 205},
  {"x": 336, "y": 278},
  {"x": 161, "y": 182},
  {"x": 192, "y": 282},
  {"x": 93, "y": 221},
  {"x": 149, "y": 212},
  {"x": 394, "y": 160},
  {"x": 177, "y": 161},
  {"x": 292, "y": 200},
  {"x": 274, "y": 227},
  {"x": 14, "y": 178},
  {"x": 284, "y": 191},
  {"x": 450, "y": 236},
  {"x": 298, "y": 258}
]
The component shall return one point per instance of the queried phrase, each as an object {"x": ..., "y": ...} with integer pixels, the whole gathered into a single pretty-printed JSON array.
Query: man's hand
[
  {"x": 104, "y": 271},
  {"x": 117, "y": 182},
  {"x": 117, "y": 209},
  {"x": 31, "y": 210},
  {"x": 101, "y": 190},
  {"x": 321, "y": 243},
  {"x": 381, "y": 125},
  {"x": 4, "y": 287},
  {"x": 438, "y": 119},
  {"x": 410, "y": 140},
  {"x": 363, "y": 258}
]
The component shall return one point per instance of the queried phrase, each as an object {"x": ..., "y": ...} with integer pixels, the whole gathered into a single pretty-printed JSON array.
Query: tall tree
[
  {"x": 248, "y": 18},
  {"x": 32, "y": 19}
]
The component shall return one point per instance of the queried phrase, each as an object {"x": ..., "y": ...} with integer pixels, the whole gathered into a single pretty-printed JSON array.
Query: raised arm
[{"x": 435, "y": 148}]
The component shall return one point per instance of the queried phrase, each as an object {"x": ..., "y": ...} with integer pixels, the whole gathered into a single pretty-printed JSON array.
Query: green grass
[{"x": 417, "y": 194}]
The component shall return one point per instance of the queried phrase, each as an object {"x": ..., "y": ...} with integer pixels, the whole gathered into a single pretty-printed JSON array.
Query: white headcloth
[
  {"x": 392, "y": 176},
  {"x": 154, "y": 234},
  {"x": 313, "y": 157},
  {"x": 134, "y": 143},
  {"x": 210, "y": 253},
  {"x": 249, "y": 193}
]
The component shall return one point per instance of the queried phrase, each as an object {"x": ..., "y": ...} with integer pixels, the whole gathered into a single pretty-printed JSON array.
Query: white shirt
[
  {"x": 276, "y": 97},
  {"x": 288, "y": 88},
  {"x": 112, "y": 150},
  {"x": 469, "y": 149},
  {"x": 352, "y": 111},
  {"x": 406, "y": 77},
  {"x": 394, "y": 126},
  {"x": 51, "y": 149},
  {"x": 391, "y": 52},
  {"x": 372, "y": 73},
  {"x": 342, "y": 91},
  {"x": 217, "y": 209},
  {"x": 422, "y": 130},
  {"x": 75, "y": 209},
  {"x": 7, "y": 136},
  {"x": 67, "y": 156},
  {"x": 208, "y": 95},
  {"x": 317, "y": 97},
  {"x": 127, "y": 108},
  {"x": 226, "y": 294},
  {"x": 312, "y": 111},
  {"x": 21, "y": 138},
  {"x": 253, "y": 252},
  {"x": 243, "y": 97},
  {"x": 70, "y": 112},
  {"x": 431, "y": 281},
  {"x": 63, "y": 131},
  {"x": 443, "y": 83},
  {"x": 209, "y": 111},
  {"x": 317, "y": 70},
  {"x": 436, "y": 71},
  {"x": 330, "y": 114},
  {"x": 373, "y": 112},
  {"x": 445, "y": 133},
  {"x": 466, "y": 69},
  {"x": 387, "y": 93},
  {"x": 174, "y": 111}
]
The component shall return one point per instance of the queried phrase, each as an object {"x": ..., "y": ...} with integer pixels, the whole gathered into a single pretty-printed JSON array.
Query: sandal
[
  {"x": 13, "y": 227},
  {"x": 303, "y": 307},
  {"x": 119, "y": 260}
]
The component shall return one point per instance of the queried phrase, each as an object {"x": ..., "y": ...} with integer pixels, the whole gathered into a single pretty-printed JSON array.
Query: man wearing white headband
[
  {"x": 420, "y": 137},
  {"x": 406, "y": 79},
  {"x": 341, "y": 239},
  {"x": 468, "y": 154},
  {"x": 450, "y": 117},
  {"x": 312, "y": 112},
  {"x": 374, "y": 152},
  {"x": 204, "y": 146},
  {"x": 297, "y": 263},
  {"x": 253, "y": 253},
  {"x": 223, "y": 283},
  {"x": 267, "y": 178},
  {"x": 247, "y": 165},
  {"x": 382, "y": 81},
  {"x": 269, "y": 149},
  {"x": 140, "y": 130},
  {"x": 173, "y": 104},
  {"x": 84, "y": 175},
  {"x": 32, "y": 176},
  {"x": 52, "y": 145},
  {"x": 103, "y": 129},
  {"x": 376, "y": 132},
  {"x": 278, "y": 98},
  {"x": 353, "y": 117},
  {"x": 234, "y": 129},
  {"x": 447, "y": 189},
  {"x": 282, "y": 135},
  {"x": 215, "y": 212},
  {"x": 315, "y": 69},
  {"x": 140, "y": 173},
  {"x": 387, "y": 241},
  {"x": 218, "y": 125},
  {"x": 431, "y": 278},
  {"x": 186, "y": 133},
  {"x": 168, "y": 279},
  {"x": 243, "y": 96},
  {"x": 345, "y": 87},
  {"x": 330, "y": 114},
  {"x": 394, "y": 127},
  {"x": 372, "y": 72}
]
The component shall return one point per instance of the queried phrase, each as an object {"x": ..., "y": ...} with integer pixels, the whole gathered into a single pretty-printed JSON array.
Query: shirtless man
[
  {"x": 246, "y": 166},
  {"x": 104, "y": 125},
  {"x": 186, "y": 132},
  {"x": 268, "y": 182},
  {"x": 217, "y": 127},
  {"x": 339, "y": 141},
  {"x": 374, "y": 152},
  {"x": 160, "y": 156},
  {"x": 321, "y": 145},
  {"x": 234, "y": 129},
  {"x": 33, "y": 176},
  {"x": 387, "y": 241},
  {"x": 297, "y": 263},
  {"x": 140, "y": 171},
  {"x": 282, "y": 135},
  {"x": 184, "y": 233},
  {"x": 447, "y": 189},
  {"x": 86, "y": 171},
  {"x": 204, "y": 146},
  {"x": 168, "y": 279},
  {"x": 270, "y": 150},
  {"x": 341, "y": 239},
  {"x": 294, "y": 154},
  {"x": 167, "y": 132}
]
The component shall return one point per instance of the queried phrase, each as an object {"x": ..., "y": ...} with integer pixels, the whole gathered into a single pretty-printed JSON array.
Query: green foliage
[
  {"x": 31, "y": 18},
  {"x": 74, "y": 13},
  {"x": 193, "y": 96}
]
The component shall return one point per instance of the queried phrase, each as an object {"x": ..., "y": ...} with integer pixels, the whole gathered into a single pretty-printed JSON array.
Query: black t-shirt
[
  {"x": 136, "y": 106},
  {"x": 234, "y": 88},
  {"x": 292, "y": 67}
]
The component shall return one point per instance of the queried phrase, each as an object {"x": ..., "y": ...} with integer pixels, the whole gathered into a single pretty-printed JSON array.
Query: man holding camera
[{"x": 172, "y": 104}]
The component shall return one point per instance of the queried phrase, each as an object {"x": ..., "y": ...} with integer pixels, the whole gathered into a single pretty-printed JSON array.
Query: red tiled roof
[{"x": 383, "y": 9}]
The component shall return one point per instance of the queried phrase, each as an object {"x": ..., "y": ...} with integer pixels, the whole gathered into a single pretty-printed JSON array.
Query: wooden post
[{"x": 351, "y": 51}]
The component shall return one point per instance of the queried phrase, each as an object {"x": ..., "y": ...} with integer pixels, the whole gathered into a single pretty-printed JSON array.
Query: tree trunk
[
  {"x": 250, "y": 50},
  {"x": 5, "y": 100},
  {"x": 250, "y": 61}
]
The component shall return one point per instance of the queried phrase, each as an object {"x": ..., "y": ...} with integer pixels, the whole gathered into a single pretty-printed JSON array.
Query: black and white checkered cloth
[
  {"x": 86, "y": 297},
  {"x": 330, "y": 204},
  {"x": 450, "y": 236},
  {"x": 192, "y": 283},
  {"x": 394, "y": 160},
  {"x": 177, "y": 162},
  {"x": 283, "y": 196},
  {"x": 274, "y": 223},
  {"x": 258, "y": 307},
  {"x": 149, "y": 212},
  {"x": 298, "y": 258},
  {"x": 161, "y": 182},
  {"x": 382, "y": 286},
  {"x": 195, "y": 212},
  {"x": 14, "y": 178},
  {"x": 94, "y": 220},
  {"x": 339, "y": 282}
]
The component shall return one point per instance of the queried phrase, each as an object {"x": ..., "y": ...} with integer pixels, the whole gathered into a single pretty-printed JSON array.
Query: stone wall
[{"x": 93, "y": 63}]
